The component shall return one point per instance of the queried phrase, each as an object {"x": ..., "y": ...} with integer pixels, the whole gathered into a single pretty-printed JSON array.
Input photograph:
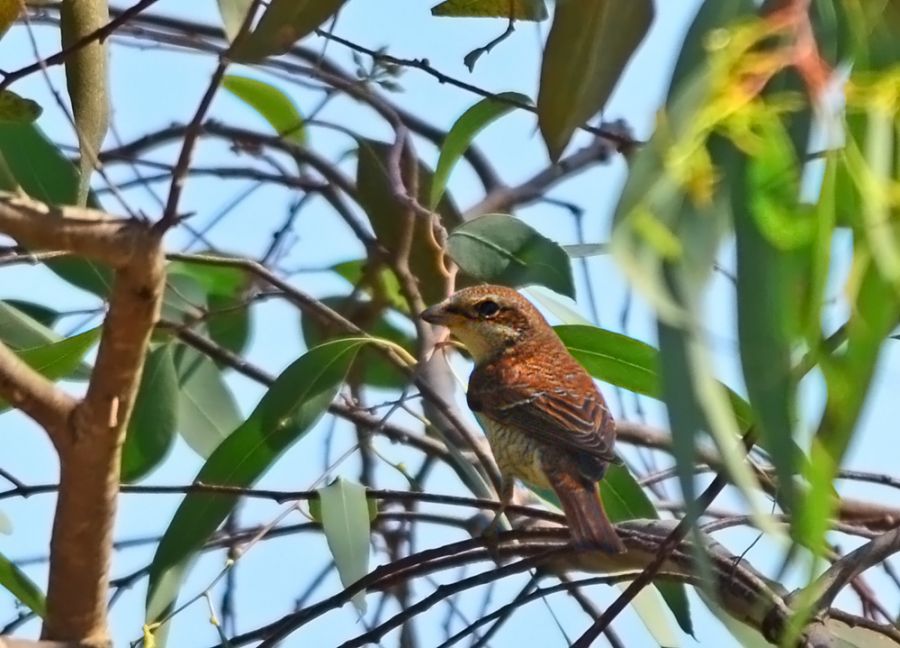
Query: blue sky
[{"x": 153, "y": 87}]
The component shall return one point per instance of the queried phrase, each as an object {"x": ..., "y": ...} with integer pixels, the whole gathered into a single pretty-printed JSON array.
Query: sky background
[{"x": 153, "y": 87}]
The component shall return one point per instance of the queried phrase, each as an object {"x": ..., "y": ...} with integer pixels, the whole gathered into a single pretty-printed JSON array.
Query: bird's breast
[{"x": 516, "y": 454}]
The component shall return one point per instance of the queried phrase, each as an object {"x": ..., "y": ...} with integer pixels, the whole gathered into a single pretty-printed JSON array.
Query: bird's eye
[{"x": 487, "y": 308}]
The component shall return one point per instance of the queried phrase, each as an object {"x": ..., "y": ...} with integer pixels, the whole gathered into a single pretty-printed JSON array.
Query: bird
[{"x": 546, "y": 422}]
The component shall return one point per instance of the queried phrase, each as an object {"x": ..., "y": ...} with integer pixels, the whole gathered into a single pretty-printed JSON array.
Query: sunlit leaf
[
  {"x": 23, "y": 588},
  {"x": 588, "y": 47},
  {"x": 6, "y": 525},
  {"x": 345, "y": 521},
  {"x": 283, "y": 24},
  {"x": 58, "y": 360},
  {"x": 497, "y": 248},
  {"x": 9, "y": 11},
  {"x": 519, "y": 9},
  {"x": 207, "y": 410},
  {"x": 151, "y": 430},
  {"x": 464, "y": 130},
  {"x": 233, "y": 13},
  {"x": 14, "y": 108},
  {"x": 289, "y": 409},
  {"x": 272, "y": 104}
]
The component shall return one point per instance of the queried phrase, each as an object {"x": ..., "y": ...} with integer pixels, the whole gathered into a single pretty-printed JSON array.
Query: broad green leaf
[
  {"x": 380, "y": 285},
  {"x": 20, "y": 330},
  {"x": 229, "y": 322},
  {"x": 589, "y": 45},
  {"x": 207, "y": 410},
  {"x": 151, "y": 430},
  {"x": 283, "y": 24},
  {"x": 233, "y": 13},
  {"x": 14, "y": 108},
  {"x": 60, "y": 359},
  {"x": 614, "y": 358},
  {"x": 345, "y": 521},
  {"x": 87, "y": 80},
  {"x": 389, "y": 216},
  {"x": 213, "y": 278},
  {"x": 272, "y": 104},
  {"x": 45, "y": 174},
  {"x": 464, "y": 130},
  {"x": 23, "y": 588},
  {"x": 42, "y": 314},
  {"x": 497, "y": 248},
  {"x": 289, "y": 409},
  {"x": 370, "y": 367},
  {"x": 533, "y": 10}
]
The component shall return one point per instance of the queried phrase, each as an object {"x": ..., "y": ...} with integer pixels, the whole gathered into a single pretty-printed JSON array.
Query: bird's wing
[{"x": 579, "y": 422}]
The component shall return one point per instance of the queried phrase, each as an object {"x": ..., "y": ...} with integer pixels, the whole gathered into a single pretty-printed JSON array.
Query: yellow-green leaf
[
  {"x": 14, "y": 108},
  {"x": 533, "y": 10},
  {"x": 283, "y": 24},
  {"x": 345, "y": 521}
]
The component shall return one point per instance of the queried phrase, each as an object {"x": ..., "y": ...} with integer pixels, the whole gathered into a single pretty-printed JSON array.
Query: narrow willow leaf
[
  {"x": 154, "y": 420},
  {"x": 533, "y": 10},
  {"x": 207, "y": 410},
  {"x": 23, "y": 588},
  {"x": 345, "y": 521},
  {"x": 14, "y": 108},
  {"x": 44, "y": 173},
  {"x": 498, "y": 248},
  {"x": 87, "y": 79},
  {"x": 233, "y": 13},
  {"x": 41, "y": 314},
  {"x": 272, "y": 104},
  {"x": 589, "y": 45},
  {"x": 288, "y": 410},
  {"x": 464, "y": 130},
  {"x": 283, "y": 24}
]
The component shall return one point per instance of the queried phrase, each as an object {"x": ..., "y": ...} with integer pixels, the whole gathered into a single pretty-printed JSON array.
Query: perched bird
[{"x": 546, "y": 422}]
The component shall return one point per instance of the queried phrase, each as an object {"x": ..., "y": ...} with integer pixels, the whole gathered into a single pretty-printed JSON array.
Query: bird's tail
[{"x": 590, "y": 527}]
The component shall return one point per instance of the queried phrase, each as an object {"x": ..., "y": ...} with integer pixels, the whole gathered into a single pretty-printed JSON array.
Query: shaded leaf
[
  {"x": 587, "y": 49},
  {"x": 291, "y": 406},
  {"x": 14, "y": 108},
  {"x": 389, "y": 216},
  {"x": 381, "y": 285},
  {"x": 272, "y": 104},
  {"x": 44, "y": 173},
  {"x": 464, "y": 130},
  {"x": 60, "y": 359},
  {"x": 581, "y": 250},
  {"x": 151, "y": 430},
  {"x": 345, "y": 521},
  {"x": 497, "y": 248},
  {"x": 370, "y": 367},
  {"x": 19, "y": 330},
  {"x": 207, "y": 410},
  {"x": 38, "y": 312},
  {"x": 533, "y": 10},
  {"x": 233, "y": 13},
  {"x": 9, "y": 11},
  {"x": 283, "y": 24},
  {"x": 87, "y": 80},
  {"x": 23, "y": 588}
]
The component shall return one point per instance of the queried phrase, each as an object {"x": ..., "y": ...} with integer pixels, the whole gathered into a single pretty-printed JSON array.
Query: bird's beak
[{"x": 436, "y": 314}]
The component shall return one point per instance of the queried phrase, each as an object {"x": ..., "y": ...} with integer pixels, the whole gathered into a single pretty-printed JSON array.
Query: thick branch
[{"x": 27, "y": 390}]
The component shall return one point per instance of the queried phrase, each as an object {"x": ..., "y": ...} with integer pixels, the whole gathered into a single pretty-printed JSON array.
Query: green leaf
[
  {"x": 38, "y": 312},
  {"x": 531, "y": 10},
  {"x": 389, "y": 216},
  {"x": 581, "y": 250},
  {"x": 20, "y": 330},
  {"x": 370, "y": 367},
  {"x": 560, "y": 307},
  {"x": 283, "y": 24},
  {"x": 614, "y": 358},
  {"x": 6, "y": 526},
  {"x": 271, "y": 103},
  {"x": 207, "y": 410},
  {"x": 497, "y": 248},
  {"x": 233, "y": 13},
  {"x": 45, "y": 174},
  {"x": 9, "y": 11},
  {"x": 151, "y": 430},
  {"x": 289, "y": 409},
  {"x": 14, "y": 108},
  {"x": 23, "y": 588},
  {"x": 345, "y": 521},
  {"x": 589, "y": 45},
  {"x": 380, "y": 285},
  {"x": 60, "y": 359},
  {"x": 464, "y": 130},
  {"x": 87, "y": 80},
  {"x": 229, "y": 322}
]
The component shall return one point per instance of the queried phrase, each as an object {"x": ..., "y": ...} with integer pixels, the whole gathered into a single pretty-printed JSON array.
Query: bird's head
[{"x": 488, "y": 320}]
